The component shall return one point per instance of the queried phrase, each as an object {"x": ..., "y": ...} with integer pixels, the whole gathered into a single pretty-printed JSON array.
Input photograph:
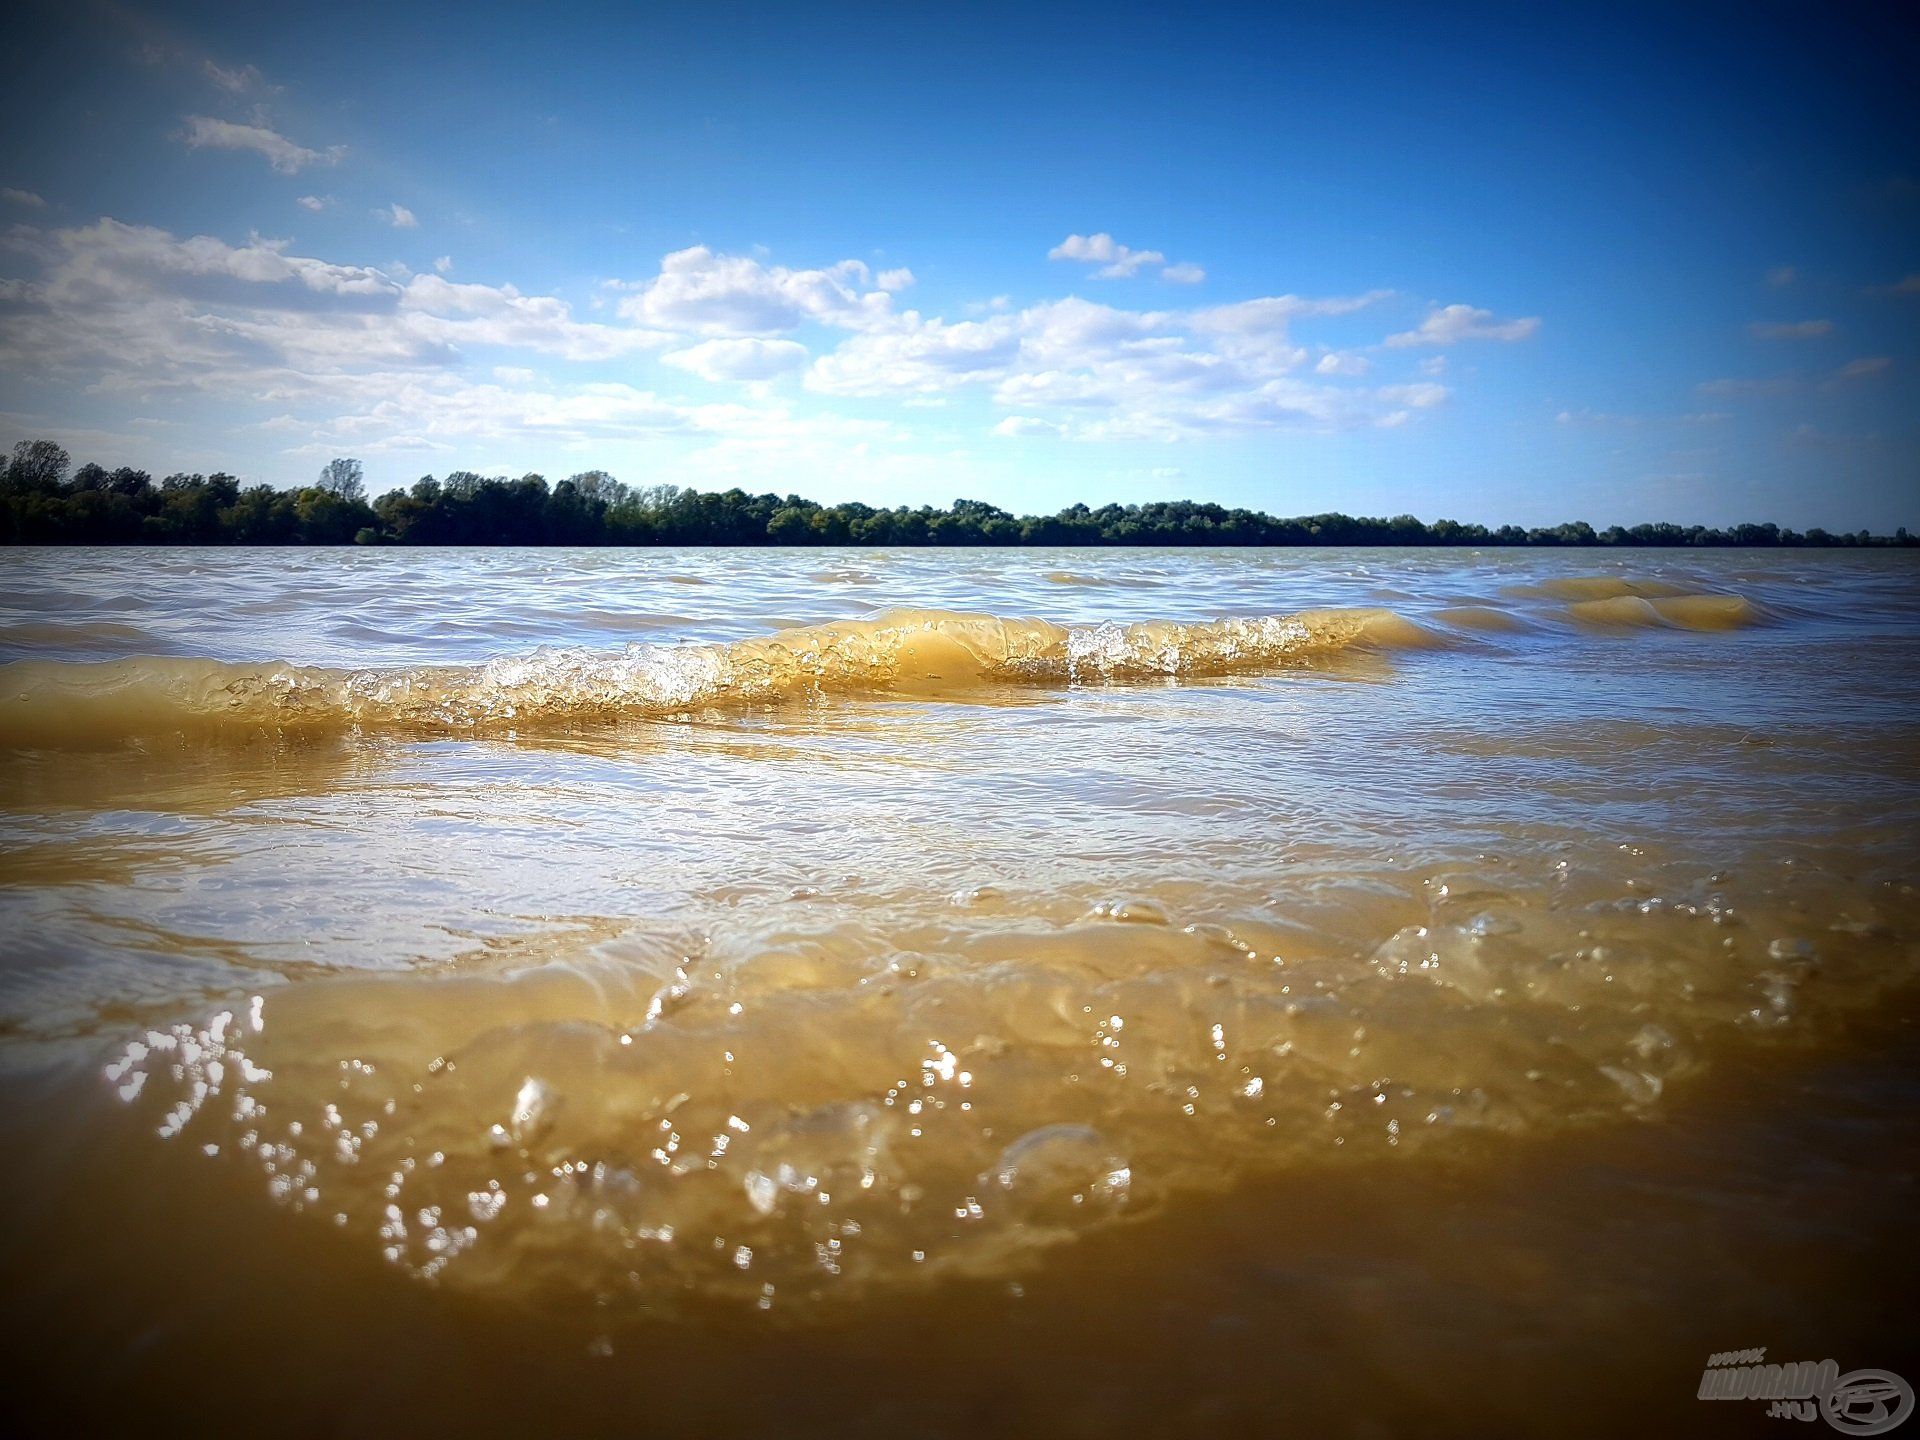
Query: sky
[{"x": 1517, "y": 264}]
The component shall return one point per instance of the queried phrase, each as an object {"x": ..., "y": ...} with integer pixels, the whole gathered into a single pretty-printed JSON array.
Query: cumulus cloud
[
  {"x": 1790, "y": 329},
  {"x": 1079, "y": 370},
  {"x": 1449, "y": 324},
  {"x": 1117, "y": 261},
  {"x": 137, "y": 309},
  {"x": 745, "y": 358},
  {"x": 381, "y": 357},
  {"x": 26, "y": 199},
  {"x": 203, "y": 132},
  {"x": 705, "y": 293},
  {"x": 916, "y": 356},
  {"x": 399, "y": 217},
  {"x": 378, "y": 360}
]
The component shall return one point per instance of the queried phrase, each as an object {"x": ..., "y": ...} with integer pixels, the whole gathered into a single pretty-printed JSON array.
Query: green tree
[{"x": 345, "y": 478}]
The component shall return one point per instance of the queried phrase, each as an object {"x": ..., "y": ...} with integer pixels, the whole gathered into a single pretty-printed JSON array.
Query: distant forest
[{"x": 43, "y": 501}]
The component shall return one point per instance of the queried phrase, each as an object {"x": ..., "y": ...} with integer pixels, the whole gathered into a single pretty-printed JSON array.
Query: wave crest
[{"x": 912, "y": 651}]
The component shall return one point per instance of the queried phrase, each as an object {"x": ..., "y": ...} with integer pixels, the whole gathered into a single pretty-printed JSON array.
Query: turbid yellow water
[{"x": 861, "y": 993}]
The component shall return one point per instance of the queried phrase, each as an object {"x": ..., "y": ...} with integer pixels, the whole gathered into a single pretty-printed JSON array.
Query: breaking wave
[
  {"x": 907, "y": 651},
  {"x": 913, "y": 651}
]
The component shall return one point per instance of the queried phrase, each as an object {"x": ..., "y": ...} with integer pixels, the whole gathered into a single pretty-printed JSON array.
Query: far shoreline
[{"x": 45, "y": 503}]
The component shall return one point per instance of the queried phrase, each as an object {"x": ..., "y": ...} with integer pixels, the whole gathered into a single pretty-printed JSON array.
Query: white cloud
[
  {"x": 705, "y": 293},
  {"x": 444, "y": 264},
  {"x": 1022, "y": 427},
  {"x": 1076, "y": 332},
  {"x": 393, "y": 413},
  {"x": 1342, "y": 362},
  {"x": 357, "y": 356},
  {"x": 24, "y": 198},
  {"x": 315, "y": 203},
  {"x": 1790, "y": 329},
  {"x": 205, "y": 133},
  {"x": 1122, "y": 262},
  {"x": 1271, "y": 315},
  {"x": 1117, "y": 261},
  {"x": 1604, "y": 419},
  {"x": 237, "y": 81},
  {"x": 1420, "y": 395},
  {"x": 1743, "y": 387},
  {"x": 1864, "y": 368},
  {"x": 739, "y": 359},
  {"x": 136, "y": 309},
  {"x": 1450, "y": 324},
  {"x": 383, "y": 358},
  {"x": 399, "y": 217},
  {"x": 1117, "y": 374},
  {"x": 893, "y": 281},
  {"x": 916, "y": 356}
]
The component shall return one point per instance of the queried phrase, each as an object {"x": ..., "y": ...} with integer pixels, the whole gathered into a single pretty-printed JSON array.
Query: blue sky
[{"x": 1472, "y": 261}]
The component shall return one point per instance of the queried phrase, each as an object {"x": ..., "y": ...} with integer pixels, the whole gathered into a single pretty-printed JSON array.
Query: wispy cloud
[
  {"x": 237, "y": 80},
  {"x": 1737, "y": 387},
  {"x": 315, "y": 203},
  {"x": 1026, "y": 427},
  {"x": 1781, "y": 276},
  {"x": 1450, "y": 324},
  {"x": 23, "y": 198},
  {"x": 399, "y": 217},
  {"x": 1766, "y": 386},
  {"x": 1865, "y": 368},
  {"x": 203, "y": 132},
  {"x": 1790, "y": 329},
  {"x": 1606, "y": 418}
]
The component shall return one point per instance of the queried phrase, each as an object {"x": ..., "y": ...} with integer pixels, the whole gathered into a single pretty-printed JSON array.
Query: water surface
[{"x": 1045, "y": 992}]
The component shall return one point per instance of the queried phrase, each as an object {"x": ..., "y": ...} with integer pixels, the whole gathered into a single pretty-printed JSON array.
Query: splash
[{"x": 879, "y": 1104}]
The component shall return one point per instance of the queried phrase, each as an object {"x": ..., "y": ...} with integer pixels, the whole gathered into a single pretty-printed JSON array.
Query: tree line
[{"x": 43, "y": 501}]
